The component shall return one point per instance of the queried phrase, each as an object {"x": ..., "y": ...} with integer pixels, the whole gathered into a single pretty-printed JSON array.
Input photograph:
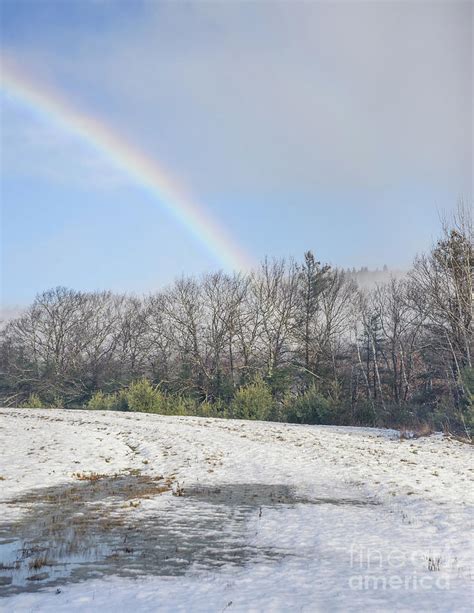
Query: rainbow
[{"x": 140, "y": 167}]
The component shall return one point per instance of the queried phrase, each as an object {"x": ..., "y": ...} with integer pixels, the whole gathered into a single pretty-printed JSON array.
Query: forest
[{"x": 298, "y": 342}]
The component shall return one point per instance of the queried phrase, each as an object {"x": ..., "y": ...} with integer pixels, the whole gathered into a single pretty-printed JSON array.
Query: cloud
[
  {"x": 260, "y": 98},
  {"x": 32, "y": 147}
]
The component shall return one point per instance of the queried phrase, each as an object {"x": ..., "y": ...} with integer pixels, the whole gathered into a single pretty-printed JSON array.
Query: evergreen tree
[{"x": 312, "y": 280}]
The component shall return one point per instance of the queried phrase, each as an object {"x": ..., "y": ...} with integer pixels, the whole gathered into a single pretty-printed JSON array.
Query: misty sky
[{"x": 341, "y": 127}]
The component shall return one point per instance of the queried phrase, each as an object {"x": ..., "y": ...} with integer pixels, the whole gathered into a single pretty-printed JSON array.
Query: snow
[{"x": 380, "y": 512}]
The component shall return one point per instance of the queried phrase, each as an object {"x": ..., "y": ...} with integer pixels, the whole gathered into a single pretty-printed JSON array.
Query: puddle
[
  {"x": 92, "y": 528},
  {"x": 260, "y": 494}
]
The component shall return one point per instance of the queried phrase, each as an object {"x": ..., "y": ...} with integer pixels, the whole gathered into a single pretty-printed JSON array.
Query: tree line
[{"x": 291, "y": 341}]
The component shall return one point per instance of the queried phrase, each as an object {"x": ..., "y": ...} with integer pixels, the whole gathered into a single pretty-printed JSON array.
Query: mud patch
[{"x": 96, "y": 527}]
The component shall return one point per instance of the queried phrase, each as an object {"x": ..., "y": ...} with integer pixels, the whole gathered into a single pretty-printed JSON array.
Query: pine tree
[{"x": 312, "y": 279}]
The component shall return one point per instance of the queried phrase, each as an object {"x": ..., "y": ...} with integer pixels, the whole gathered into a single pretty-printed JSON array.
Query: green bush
[
  {"x": 117, "y": 401},
  {"x": 33, "y": 402},
  {"x": 140, "y": 396},
  {"x": 365, "y": 414},
  {"x": 280, "y": 382},
  {"x": 311, "y": 408},
  {"x": 57, "y": 402},
  {"x": 211, "y": 409},
  {"x": 102, "y": 402},
  {"x": 143, "y": 397},
  {"x": 252, "y": 401},
  {"x": 179, "y": 405}
]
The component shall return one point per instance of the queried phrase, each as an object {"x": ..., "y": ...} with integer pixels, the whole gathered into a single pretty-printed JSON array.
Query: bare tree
[
  {"x": 276, "y": 292},
  {"x": 442, "y": 286}
]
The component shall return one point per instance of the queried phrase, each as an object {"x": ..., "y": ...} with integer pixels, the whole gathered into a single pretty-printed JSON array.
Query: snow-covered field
[{"x": 252, "y": 516}]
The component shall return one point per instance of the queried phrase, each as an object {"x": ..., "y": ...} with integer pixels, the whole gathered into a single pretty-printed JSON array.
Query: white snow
[{"x": 334, "y": 557}]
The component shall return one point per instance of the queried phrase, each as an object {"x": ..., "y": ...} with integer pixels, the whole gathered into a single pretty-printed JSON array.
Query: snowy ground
[{"x": 271, "y": 517}]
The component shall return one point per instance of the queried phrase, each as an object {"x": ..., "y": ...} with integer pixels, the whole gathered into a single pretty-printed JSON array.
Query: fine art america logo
[{"x": 397, "y": 569}]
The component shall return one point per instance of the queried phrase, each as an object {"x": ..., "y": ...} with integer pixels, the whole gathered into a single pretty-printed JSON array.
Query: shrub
[
  {"x": 280, "y": 382},
  {"x": 252, "y": 401},
  {"x": 142, "y": 396},
  {"x": 311, "y": 408},
  {"x": 211, "y": 409},
  {"x": 57, "y": 402},
  {"x": 102, "y": 402},
  {"x": 365, "y": 414},
  {"x": 179, "y": 405},
  {"x": 33, "y": 402}
]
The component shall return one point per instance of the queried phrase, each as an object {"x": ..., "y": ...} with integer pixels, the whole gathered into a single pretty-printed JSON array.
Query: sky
[{"x": 341, "y": 127}]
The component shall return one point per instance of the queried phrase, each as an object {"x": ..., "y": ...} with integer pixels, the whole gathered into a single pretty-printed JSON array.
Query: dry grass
[
  {"x": 434, "y": 564},
  {"x": 178, "y": 490},
  {"x": 416, "y": 432},
  {"x": 126, "y": 486},
  {"x": 81, "y": 517},
  {"x": 467, "y": 440},
  {"x": 93, "y": 476},
  {"x": 13, "y": 566},
  {"x": 39, "y": 562},
  {"x": 90, "y": 476}
]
